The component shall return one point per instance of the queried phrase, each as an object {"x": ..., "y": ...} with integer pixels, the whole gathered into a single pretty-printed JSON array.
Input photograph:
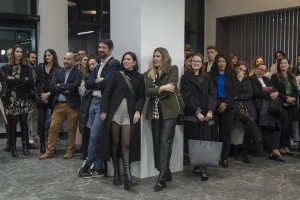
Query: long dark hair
[
  {"x": 55, "y": 60},
  {"x": 280, "y": 75},
  {"x": 134, "y": 58},
  {"x": 215, "y": 68}
]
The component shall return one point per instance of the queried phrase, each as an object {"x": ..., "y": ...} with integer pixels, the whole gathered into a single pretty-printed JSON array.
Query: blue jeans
[{"x": 94, "y": 145}]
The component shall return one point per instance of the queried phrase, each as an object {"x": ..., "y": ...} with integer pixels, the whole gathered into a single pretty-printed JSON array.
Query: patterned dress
[{"x": 17, "y": 106}]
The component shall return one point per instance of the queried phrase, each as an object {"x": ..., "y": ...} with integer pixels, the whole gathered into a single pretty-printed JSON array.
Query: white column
[
  {"x": 53, "y": 28},
  {"x": 141, "y": 26}
]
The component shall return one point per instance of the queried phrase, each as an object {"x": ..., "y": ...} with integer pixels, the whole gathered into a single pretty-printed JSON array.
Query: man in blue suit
[
  {"x": 64, "y": 85},
  {"x": 93, "y": 165}
]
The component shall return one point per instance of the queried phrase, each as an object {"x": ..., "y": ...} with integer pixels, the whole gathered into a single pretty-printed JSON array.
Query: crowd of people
[{"x": 102, "y": 99}]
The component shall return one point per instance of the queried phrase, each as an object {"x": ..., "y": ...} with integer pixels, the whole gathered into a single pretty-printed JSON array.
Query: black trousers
[
  {"x": 163, "y": 132},
  {"x": 287, "y": 119},
  {"x": 223, "y": 125},
  {"x": 271, "y": 139},
  {"x": 42, "y": 114},
  {"x": 85, "y": 142},
  {"x": 251, "y": 131}
]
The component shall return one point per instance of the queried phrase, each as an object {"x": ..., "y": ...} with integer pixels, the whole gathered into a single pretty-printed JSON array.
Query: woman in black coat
[
  {"x": 246, "y": 112},
  {"x": 225, "y": 81},
  {"x": 18, "y": 98},
  {"x": 44, "y": 74},
  {"x": 263, "y": 93},
  {"x": 285, "y": 83},
  {"x": 200, "y": 97},
  {"x": 122, "y": 104}
]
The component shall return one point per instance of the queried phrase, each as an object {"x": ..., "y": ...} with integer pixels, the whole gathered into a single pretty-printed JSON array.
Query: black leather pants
[{"x": 163, "y": 136}]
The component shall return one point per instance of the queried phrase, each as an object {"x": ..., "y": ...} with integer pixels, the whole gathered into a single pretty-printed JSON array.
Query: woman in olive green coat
[{"x": 162, "y": 110}]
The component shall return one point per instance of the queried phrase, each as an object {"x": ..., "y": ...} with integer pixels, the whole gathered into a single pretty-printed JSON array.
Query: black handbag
[
  {"x": 180, "y": 118},
  {"x": 275, "y": 107}
]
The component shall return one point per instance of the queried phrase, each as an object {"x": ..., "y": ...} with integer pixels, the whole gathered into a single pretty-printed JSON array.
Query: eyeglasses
[
  {"x": 263, "y": 70},
  {"x": 196, "y": 61}
]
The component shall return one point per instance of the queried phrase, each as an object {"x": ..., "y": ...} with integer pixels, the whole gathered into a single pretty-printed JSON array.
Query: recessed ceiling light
[
  {"x": 70, "y": 3},
  {"x": 105, "y": 12}
]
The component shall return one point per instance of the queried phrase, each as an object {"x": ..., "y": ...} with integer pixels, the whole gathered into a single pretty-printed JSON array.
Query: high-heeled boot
[
  {"x": 128, "y": 181},
  {"x": 25, "y": 142},
  {"x": 115, "y": 161},
  {"x": 168, "y": 175},
  {"x": 161, "y": 183},
  {"x": 13, "y": 149}
]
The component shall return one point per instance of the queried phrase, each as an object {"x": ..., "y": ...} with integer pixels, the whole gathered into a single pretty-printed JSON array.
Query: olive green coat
[{"x": 169, "y": 105}]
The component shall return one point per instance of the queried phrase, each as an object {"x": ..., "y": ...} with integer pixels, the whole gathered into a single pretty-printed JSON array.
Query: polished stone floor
[{"x": 56, "y": 178}]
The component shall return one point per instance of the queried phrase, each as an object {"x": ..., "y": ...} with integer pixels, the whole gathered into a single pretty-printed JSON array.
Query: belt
[
  {"x": 96, "y": 97},
  {"x": 62, "y": 102}
]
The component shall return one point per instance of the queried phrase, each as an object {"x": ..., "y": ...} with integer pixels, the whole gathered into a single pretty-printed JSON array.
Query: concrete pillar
[
  {"x": 141, "y": 26},
  {"x": 53, "y": 28}
]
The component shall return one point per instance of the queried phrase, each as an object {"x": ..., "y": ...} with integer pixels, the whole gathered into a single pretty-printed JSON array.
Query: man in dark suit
[
  {"x": 64, "y": 85},
  {"x": 97, "y": 82}
]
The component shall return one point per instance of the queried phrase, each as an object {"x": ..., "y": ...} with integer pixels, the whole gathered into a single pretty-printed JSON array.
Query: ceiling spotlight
[
  {"x": 105, "y": 12},
  {"x": 71, "y": 4}
]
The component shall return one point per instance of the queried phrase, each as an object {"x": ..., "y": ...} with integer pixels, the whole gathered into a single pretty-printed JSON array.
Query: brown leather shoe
[
  {"x": 68, "y": 155},
  {"x": 46, "y": 156}
]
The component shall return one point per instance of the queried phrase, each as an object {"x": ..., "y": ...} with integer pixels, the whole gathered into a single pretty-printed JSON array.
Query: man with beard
[
  {"x": 31, "y": 59},
  {"x": 93, "y": 164},
  {"x": 64, "y": 85}
]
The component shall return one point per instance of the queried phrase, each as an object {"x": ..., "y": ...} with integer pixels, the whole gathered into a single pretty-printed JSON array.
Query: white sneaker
[{"x": 31, "y": 141}]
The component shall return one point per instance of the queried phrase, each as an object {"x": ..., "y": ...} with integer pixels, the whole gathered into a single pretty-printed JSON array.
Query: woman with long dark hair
[
  {"x": 44, "y": 74},
  {"x": 200, "y": 97},
  {"x": 285, "y": 83},
  {"x": 18, "y": 98},
  {"x": 161, "y": 88},
  {"x": 246, "y": 112},
  {"x": 122, "y": 104},
  {"x": 225, "y": 81}
]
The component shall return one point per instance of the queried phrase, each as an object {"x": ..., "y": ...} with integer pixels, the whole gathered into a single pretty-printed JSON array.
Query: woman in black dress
[{"x": 44, "y": 74}]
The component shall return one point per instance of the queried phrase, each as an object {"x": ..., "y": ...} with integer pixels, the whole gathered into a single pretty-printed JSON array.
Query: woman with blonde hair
[{"x": 163, "y": 110}]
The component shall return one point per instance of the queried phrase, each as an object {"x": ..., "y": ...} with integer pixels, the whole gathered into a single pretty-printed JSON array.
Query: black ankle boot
[
  {"x": 42, "y": 148},
  {"x": 160, "y": 184},
  {"x": 128, "y": 181},
  {"x": 244, "y": 157},
  {"x": 25, "y": 149},
  {"x": 115, "y": 161},
  {"x": 13, "y": 152}
]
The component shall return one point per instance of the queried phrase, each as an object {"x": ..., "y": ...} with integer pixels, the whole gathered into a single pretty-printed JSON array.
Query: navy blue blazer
[
  {"x": 69, "y": 89},
  {"x": 107, "y": 71}
]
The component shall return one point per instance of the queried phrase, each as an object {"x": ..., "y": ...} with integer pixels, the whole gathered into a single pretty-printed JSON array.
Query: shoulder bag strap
[{"x": 127, "y": 81}]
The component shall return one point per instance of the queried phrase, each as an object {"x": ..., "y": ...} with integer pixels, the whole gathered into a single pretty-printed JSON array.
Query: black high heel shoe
[
  {"x": 160, "y": 184},
  {"x": 204, "y": 175}
]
